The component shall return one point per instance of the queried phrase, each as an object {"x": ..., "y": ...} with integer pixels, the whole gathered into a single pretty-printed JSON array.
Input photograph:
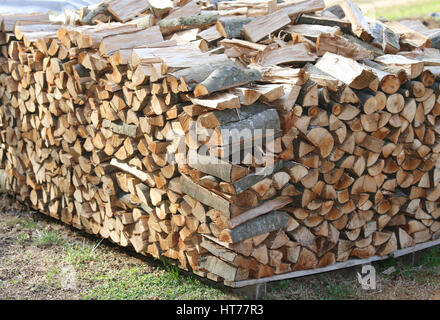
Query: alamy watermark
[{"x": 367, "y": 277}]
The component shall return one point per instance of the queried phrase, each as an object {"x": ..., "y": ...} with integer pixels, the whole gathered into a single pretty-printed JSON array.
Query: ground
[{"x": 41, "y": 258}]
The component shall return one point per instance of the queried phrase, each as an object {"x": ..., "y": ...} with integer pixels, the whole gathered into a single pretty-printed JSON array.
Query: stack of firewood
[{"x": 241, "y": 138}]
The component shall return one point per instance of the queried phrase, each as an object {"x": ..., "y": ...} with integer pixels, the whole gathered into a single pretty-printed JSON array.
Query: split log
[
  {"x": 413, "y": 68},
  {"x": 226, "y": 77},
  {"x": 267, "y": 223},
  {"x": 341, "y": 46},
  {"x": 359, "y": 25},
  {"x": 346, "y": 70},
  {"x": 204, "y": 195},
  {"x": 126, "y": 9},
  {"x": 222, "y": 269},
  {"x": 263, "y": 26}
]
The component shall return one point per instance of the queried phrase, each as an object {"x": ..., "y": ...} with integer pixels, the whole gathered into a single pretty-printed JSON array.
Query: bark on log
[{"x": 267, "y": 223}]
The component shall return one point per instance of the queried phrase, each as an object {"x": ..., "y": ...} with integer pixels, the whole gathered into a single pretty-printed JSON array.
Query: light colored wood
[
  {"x": 111, "y": 44},
  {"x": 204, "y": 195},
  {"x": 126, "y": 9},
  {"x": 263, "y": 26},
  {"x": 160, "y": 7},
  {"x": 341, "y": 46},
  {"x": 347, "y": 70},
  {"x": 295, "y": 8},
  {"x": 359, "y": 25},
  {"x": 297, "y": 53},
  {"x": 413, "y": 68}
]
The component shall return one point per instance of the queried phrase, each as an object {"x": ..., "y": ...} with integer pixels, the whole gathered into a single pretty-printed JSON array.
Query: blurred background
[
  {"x": 390, "y": 9},
  {"x": 397, "y": 9}
]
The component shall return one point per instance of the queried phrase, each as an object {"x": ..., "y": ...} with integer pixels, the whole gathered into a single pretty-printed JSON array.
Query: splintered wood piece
[
  {"x": 359, "y": 25},
  {"x": 263, "y": 26},
  {"x": 296, "y": 8},
  {"x": 218, "y": 168},
  {"x": 160, "y": 7},
  {"x": 408, "y": 37},
  {"x": 190, "y": 77},
  {"x": 113, "y": 43},
  {"x": 219, "y": 101},
  {"x": 126, "y": 9},
  {"x": 296, "y": 53},
  {"x": 341, "y": 46},
  {"x": 347, "y": 70},
  {"x": 232, "y": 27},
  {"x": 306, "y": 260},
  {"x": 413, "y": 68},
  {"x": 389, "y": 247},
  {"x": 263, "y": 124},
  {"x": 170, "y": 25}
]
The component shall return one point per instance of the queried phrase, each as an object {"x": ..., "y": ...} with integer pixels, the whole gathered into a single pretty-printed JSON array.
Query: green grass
[
  {"x": 53, "y": 277},
  {"x": 429, "y": 266},
  {"x": 47, "y": 238},
  {"x": 340, "y": 291},
  {"x": 23, "y": 237},
  {"x": 400, "y": 10},
  {"x": 430, "y": 258},
  {"x": 26, "y": 223},
  {"x": 30, "y": 224},
  {"x": 81, "y": 253},
  {"x": 13, "y": 221},
  {"x": 134, "y": 284}
]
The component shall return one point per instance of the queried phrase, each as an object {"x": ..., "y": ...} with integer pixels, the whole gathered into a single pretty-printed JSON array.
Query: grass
[
  {"x": 102, "y": 274},
  {"x": 340, "y": 291},
  {"x": 430, "y": 258},
  {"x": 132, "y": 284},
  {"x": 47, "y": 238},
  {"x": 311, "y": 288},
  {"x": 81, "y": 253},
  {"x": 53, "y": 277},
  {"x": 30, "y": 224},
  {"x": 429, "y": 265},
  {"x": 14, "y": 221},
  {"x": 395, "y": 10},
  {"x": 23, "y": 237}
]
